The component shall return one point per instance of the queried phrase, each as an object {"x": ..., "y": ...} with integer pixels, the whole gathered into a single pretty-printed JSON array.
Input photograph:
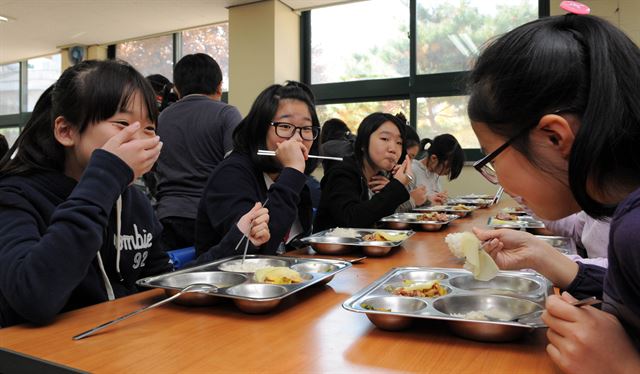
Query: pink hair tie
[{"x": 575, "y": 7}]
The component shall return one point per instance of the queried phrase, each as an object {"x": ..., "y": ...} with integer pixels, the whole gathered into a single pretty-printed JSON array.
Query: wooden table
[{"x": 308, "y": 332}]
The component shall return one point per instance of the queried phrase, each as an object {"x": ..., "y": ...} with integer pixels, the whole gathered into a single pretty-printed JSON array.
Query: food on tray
[
  {"x": 461, "y": 207},
  {"x": 479, "y": 315},
  {"x": 432, "y": 216},
  {"x": 418, "y": 289},
  {"x": 344, "y": 233},
  {"x": 278, "y": 275},
  {"x": 371, "y": 307},
  {"x": 500, "y": 222},
  {"x": 506, "y": 216},
  {"x": 467, "y": 245},
  {"x": 381, "y": 236},
  {"x": 247, "y": 267}
]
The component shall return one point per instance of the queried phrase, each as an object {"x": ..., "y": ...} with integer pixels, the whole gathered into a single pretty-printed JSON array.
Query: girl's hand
[
  {"x": 255, "y": 224},
  {"x": 401, "y": 172},
  {"x": 587, "y": 340},
  {"x": 510, "y": 249},
  {"x": 377, "y": 183},
  {"x": 139, "y": 154},
  {"x": 419, "y": 195},
  {"x": 438, "y": 198},
  {"x": 293, "y": 154}
]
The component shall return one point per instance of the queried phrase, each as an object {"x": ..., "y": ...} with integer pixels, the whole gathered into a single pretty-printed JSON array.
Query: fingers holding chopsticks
[{"x": 255, "y": 225}]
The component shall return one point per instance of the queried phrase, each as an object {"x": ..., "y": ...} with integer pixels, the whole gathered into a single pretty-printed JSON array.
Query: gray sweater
[{"x": 197, "y": 133}]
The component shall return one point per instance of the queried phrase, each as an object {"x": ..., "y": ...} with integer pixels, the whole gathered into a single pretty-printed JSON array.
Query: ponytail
[{"x": 36, "y": 146}]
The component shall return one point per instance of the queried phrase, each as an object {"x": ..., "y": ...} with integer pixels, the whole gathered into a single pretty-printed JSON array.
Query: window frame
[
  {"x": 177, "y": 49},
  {"x": 405, "y": 88}
]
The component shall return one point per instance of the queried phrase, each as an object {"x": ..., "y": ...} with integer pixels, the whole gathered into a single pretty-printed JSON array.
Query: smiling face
[
  {"x": 385, "y": 147},
  {"x": 294, "y": 112},
  {"x": 547, "y": 191},
  {"x": 80, "y": 146}
]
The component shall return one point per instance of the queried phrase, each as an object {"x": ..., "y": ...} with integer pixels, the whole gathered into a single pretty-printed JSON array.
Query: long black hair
[
  {"x": 573, "y": 63},
  {"x": 367, "y": 127},
  {"x": 447, "y": 149},
  {"x": 85, "y": 94},
  {"x": 251, "y": 134}
]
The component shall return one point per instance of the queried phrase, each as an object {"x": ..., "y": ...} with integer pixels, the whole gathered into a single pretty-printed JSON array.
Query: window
[
  {"x": 41, "y": 73},
  {"x": 10, "y": 89},
  {"x": 363, "y": 40},
  {"x": 11, "y": 134},
  {"x": 353, "y": 113},
  {"x": 212, "y": 40},
  {"x": 413, "y": 52},
  {"x": 450, "y": 33},
  {"x": 149, "y": 56},
  {"x": 440, "y": 115}
]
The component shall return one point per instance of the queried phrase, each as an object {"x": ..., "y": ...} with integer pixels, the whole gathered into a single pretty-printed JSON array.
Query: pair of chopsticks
[
  {"x": 264, "y": 152},
  {"x": 245, "y": 236}
]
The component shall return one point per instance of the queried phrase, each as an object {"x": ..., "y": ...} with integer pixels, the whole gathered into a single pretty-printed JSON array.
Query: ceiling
[{"x": 41, "y": 27}]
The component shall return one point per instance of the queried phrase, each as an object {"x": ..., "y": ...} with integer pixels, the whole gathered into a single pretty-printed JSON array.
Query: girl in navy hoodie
[{"x": 73, "y": 232}]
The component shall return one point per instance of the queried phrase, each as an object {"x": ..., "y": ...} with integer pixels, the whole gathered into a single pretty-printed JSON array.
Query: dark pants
[{"x": 178, "y": 232}]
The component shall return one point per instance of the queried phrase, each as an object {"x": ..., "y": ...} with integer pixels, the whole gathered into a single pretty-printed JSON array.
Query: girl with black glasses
[{"x": 282, "y": 119}]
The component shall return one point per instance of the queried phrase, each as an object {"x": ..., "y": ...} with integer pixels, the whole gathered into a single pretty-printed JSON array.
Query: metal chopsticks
[{"x": 264, "y": 152}]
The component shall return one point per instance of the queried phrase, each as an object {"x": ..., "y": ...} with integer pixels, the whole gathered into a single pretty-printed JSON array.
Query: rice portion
[{"x": 344, "y": 233}]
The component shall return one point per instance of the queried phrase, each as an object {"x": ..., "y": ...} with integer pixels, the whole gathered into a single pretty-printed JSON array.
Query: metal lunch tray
[
  {"x": 561, "y": 243},
  {"x": 523, "y": 223},
  {"x": 480, "y": 203},
  {"x": 248, "y": 295},
  {"x": 448, "y": 209},
  {"x": 472, "y": 196},
  {"x": 325, "y": 243},
  {"x": 521, "y": 289},
  {"x": 410, "y": 220},
  {"x": 514, "y": 211}
]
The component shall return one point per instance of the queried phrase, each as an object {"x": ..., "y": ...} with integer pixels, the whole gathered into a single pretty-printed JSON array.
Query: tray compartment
[{"x": 393, "y": 309}]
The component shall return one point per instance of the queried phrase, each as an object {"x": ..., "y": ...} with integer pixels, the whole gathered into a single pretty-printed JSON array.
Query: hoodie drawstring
[
  {"x": 107, "y": 284},
  {"x": 118, "y": 233},
  {"x": 105, "y": 277}
]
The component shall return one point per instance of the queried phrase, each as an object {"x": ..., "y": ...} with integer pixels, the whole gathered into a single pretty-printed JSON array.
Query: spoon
[
  {"x": 196, "y": 287},
  {"x": 535, "y": 315}
]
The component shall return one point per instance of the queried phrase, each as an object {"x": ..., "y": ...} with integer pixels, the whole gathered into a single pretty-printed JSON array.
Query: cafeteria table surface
[{"x": 308, "y": 332}]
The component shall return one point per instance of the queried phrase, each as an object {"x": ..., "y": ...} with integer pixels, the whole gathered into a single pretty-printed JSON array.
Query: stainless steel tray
[
  {"x": 523, "y": 222},
  {"x": 516, "y": 211},
  {"x": 561, "y": 243},
  {"x": 325, "y": 242},
  {"x": 410, "y": 220},
  {"x": 480, "y": 203},
  {"x": 448, "y": 209},
  {"x": 248, "y": 295},
  {"x": 472, "y": 196},
  {"x": 510, "y": 292}
]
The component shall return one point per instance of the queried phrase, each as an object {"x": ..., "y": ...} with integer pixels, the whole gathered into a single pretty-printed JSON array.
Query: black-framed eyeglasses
[
  {"x": 287, "y": 130},
  {"x": 484, "y": 165}
]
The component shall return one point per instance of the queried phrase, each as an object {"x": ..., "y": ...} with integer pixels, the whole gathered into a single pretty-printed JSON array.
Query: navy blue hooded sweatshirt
[{"x": 57, "y": 240}]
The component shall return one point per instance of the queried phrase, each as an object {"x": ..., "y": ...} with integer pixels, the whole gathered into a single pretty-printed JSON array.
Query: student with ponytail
[
  {"x": 555, "y": 106},
  {"x": 441, "y": 156},
  {"x": 73, "y": 231}
]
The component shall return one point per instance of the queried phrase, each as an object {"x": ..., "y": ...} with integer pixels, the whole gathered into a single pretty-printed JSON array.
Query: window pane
[
  {"x": 450, "y": 33},
  {"x": 363, "y": 40},
  {"x": 149, "y": 56},
  {"x": 440, "y": 115},
  {"x": 353, "y": 113},
  {"x": 41, "y": 73},
  {"x": 10, "y": 88},
  {"x": 212, "y": 40},
  {"x": 11, "y": 133}
]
